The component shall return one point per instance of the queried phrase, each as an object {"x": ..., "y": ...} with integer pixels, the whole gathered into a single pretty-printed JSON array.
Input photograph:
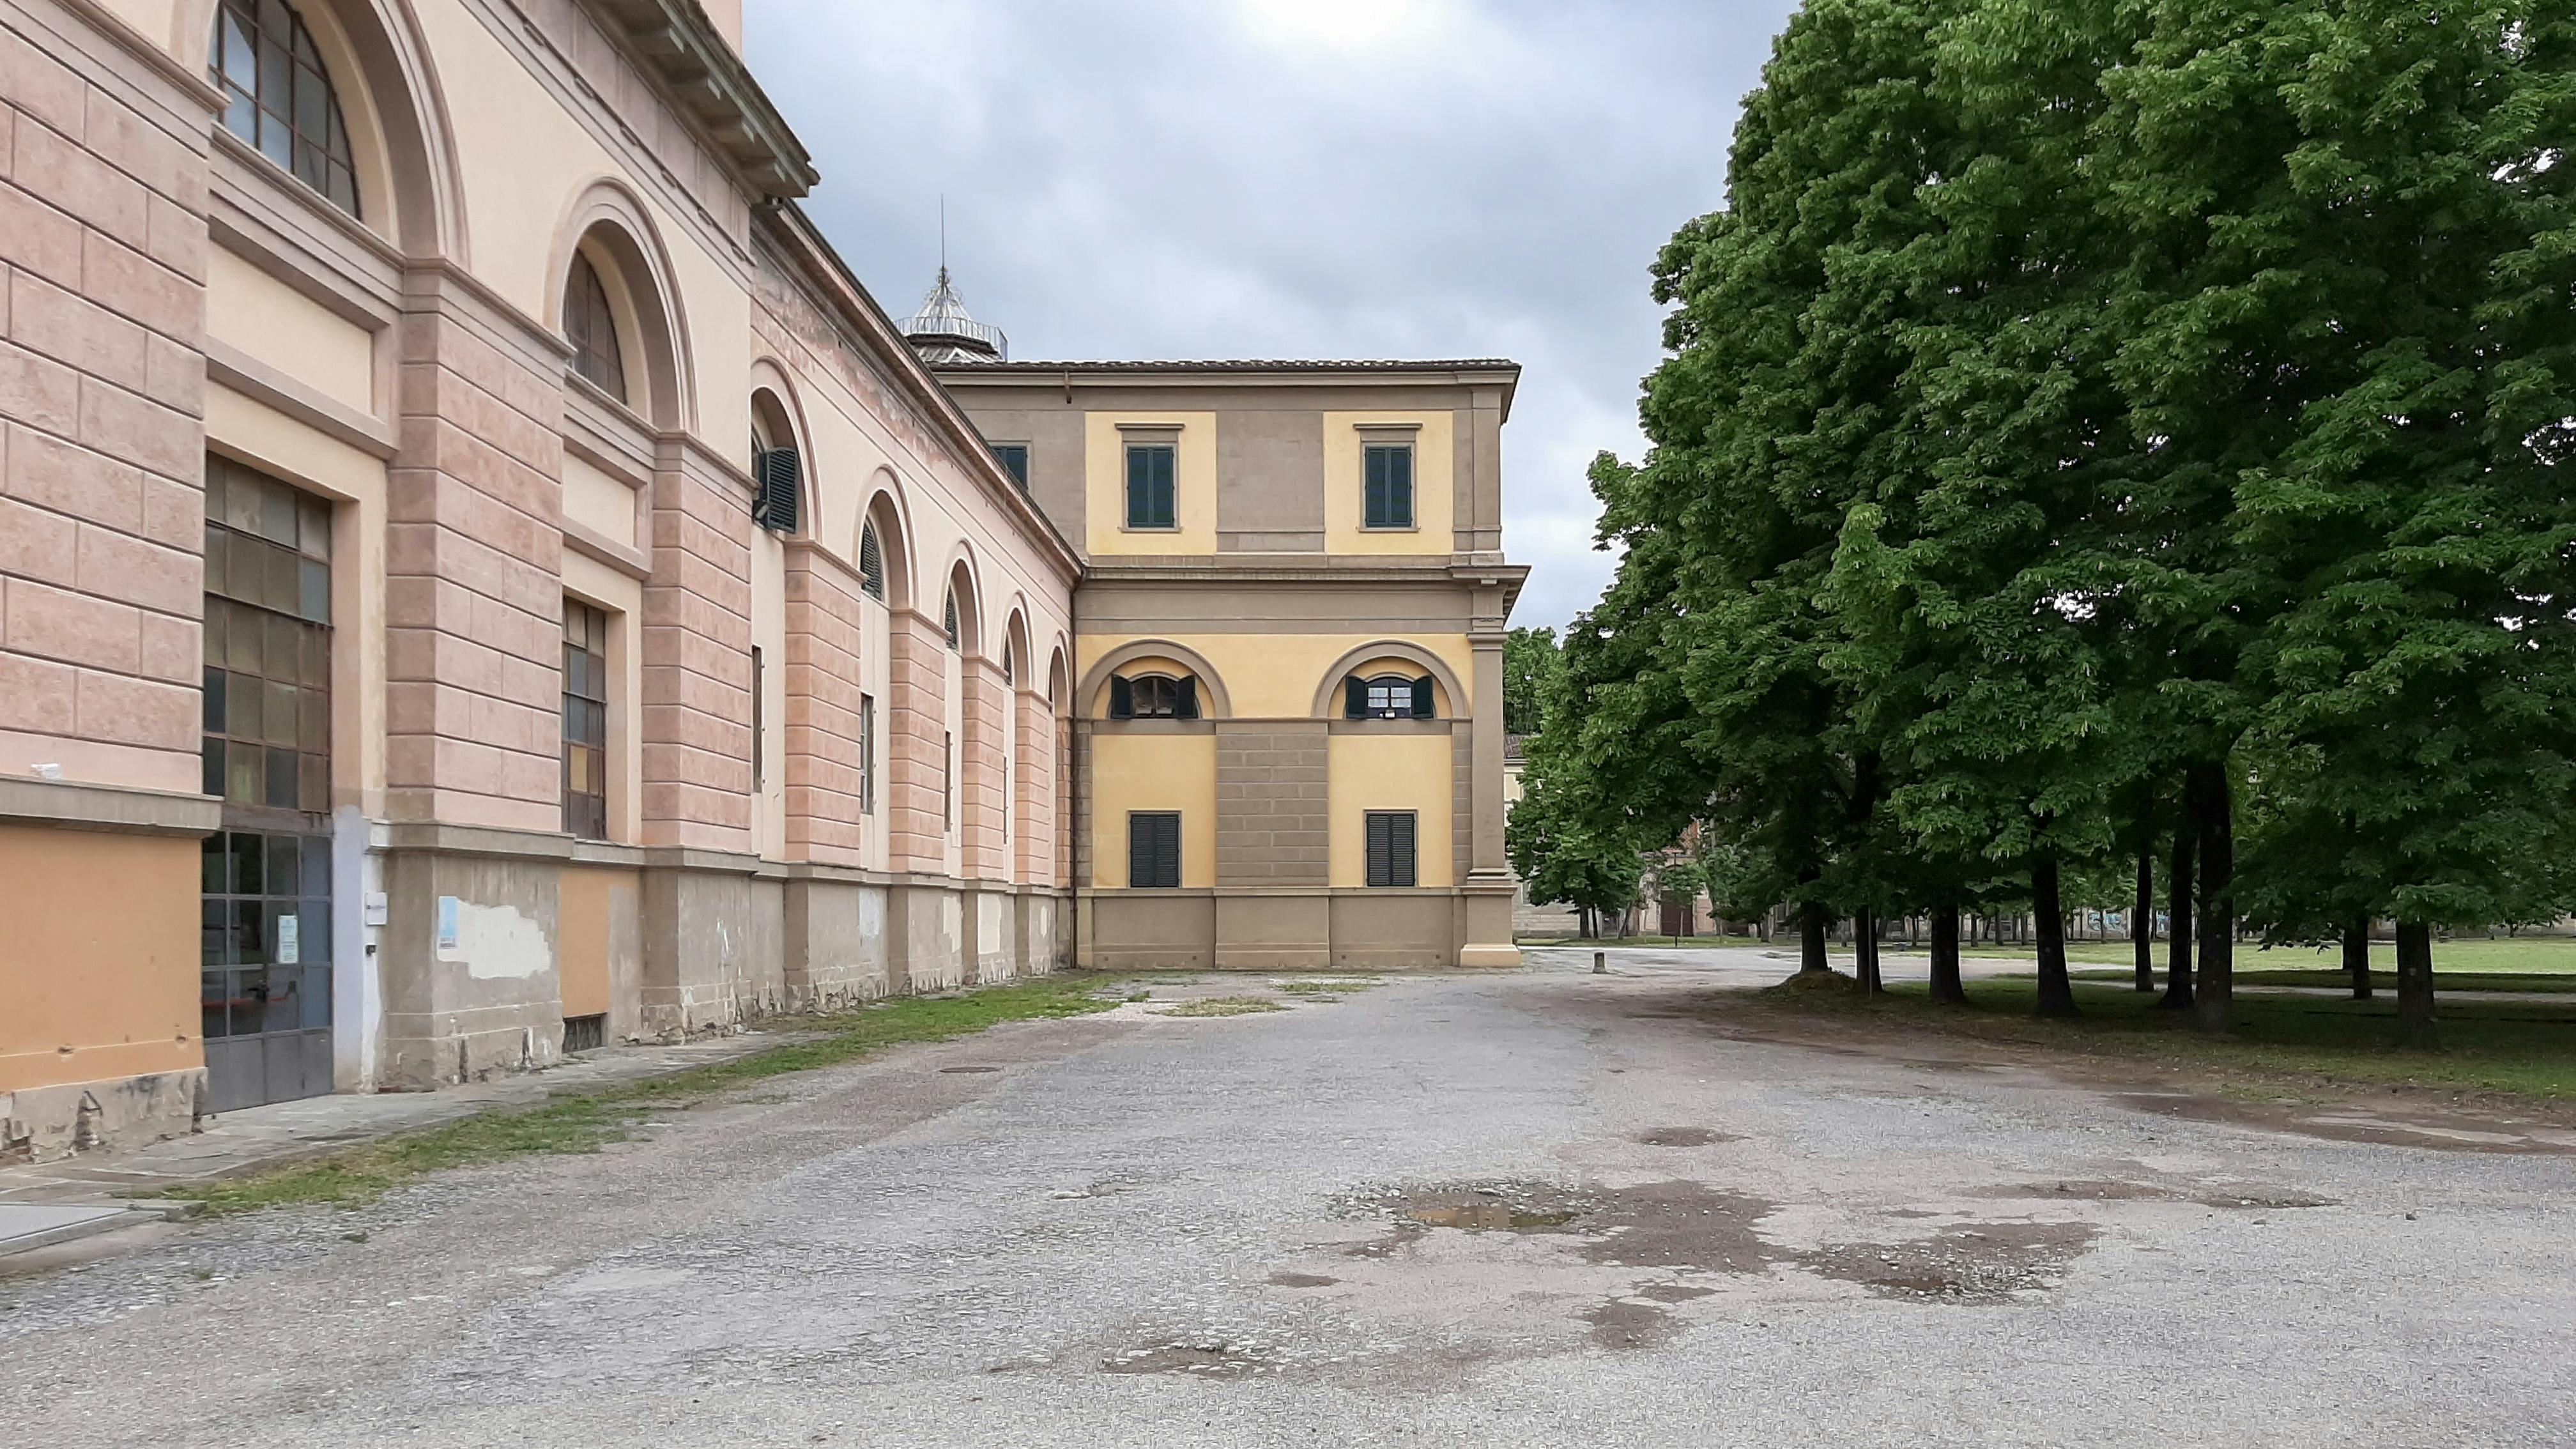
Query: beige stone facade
[{"x": 479, "y": 578}]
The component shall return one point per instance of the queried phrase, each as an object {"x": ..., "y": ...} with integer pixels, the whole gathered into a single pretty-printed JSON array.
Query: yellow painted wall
[
  {"x": 289, "y": 331},
  {"x": 1434, "y": 499},
  {"x": 98, "y": 973},
  {"x": 1408, "y": 771},
  {"x": 1153, "y": 771},
  {"x": 1193, "y": 485},
  {"x": 1275, "y": 676}
]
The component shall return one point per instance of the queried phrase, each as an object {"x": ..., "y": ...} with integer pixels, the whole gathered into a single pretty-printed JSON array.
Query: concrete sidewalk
[{"x": 50, "y": 1202}]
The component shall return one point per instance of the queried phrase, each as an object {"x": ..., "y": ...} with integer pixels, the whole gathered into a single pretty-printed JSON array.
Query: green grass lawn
[
  {"x": 1739, "y": 943},
  {"x": 2517, "y": 1047},
  {"x": 586, "y": 1122},
  {"x": 2382, "y": 979}
]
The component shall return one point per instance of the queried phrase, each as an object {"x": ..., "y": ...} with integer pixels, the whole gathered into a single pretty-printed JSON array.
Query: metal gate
[{"x": 265, "y": 983}]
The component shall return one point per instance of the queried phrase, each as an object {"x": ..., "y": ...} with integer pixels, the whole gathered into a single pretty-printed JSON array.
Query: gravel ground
[{"x": 1540, "y": 1208}]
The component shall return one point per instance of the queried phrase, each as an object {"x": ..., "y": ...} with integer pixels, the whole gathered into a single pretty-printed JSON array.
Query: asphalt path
[{"x": 1532, "y": 1208}]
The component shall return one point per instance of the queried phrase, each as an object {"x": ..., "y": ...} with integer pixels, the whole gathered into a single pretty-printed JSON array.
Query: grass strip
[
  {"x": 586, "y": 1121},
  {"x": 2516, "y": 1048},
  {"x": 1222, "y": 1006}
]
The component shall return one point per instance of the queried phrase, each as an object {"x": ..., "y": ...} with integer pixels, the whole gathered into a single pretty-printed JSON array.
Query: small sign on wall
[{"x": 290, "y": 940}]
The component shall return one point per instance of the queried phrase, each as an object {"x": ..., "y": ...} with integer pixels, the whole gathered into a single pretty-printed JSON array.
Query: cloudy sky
[{"x": 1292, "y": 178}]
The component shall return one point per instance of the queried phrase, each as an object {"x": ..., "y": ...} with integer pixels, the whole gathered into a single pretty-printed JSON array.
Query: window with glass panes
[
  {"x": 278, "y": 95},
  {"x": 585, "y": 721},
  {"x": 267, "y": 871},
  {"x": 268, "y": 643}
]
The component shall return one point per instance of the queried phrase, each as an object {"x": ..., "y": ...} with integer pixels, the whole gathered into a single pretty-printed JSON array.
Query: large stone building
[{"x": 479, "y": 578}]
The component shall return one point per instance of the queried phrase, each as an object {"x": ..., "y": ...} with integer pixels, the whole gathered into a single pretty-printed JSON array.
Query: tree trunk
[
  {"x": 2178, "y": 931},
  {"x": 2415, "y": 987},
  {"x": 2142, "y": 918},
  {"x": 2356, "y": 957},
  {"x": 1811, "y": 939},
  {"x": 1945, "y": 957},
  {"x": 2056, "y": 992},
  {"x": 2213, "y": 810},
  {"x": 1865, "y": 950}
]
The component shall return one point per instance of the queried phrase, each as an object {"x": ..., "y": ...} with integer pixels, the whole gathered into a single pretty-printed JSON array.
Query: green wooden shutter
[
  {"x": 1399, "y": 488},
  {"x": 1165, "y": 505},
  {"x": 1355, "y": 698},
  {"x": 1154, "y": 850},
  {"x": 1122, "y": 698},
  {"x": 1422, "y": 704},
  {"x": 1379, "y": 846},
  {"x": 1187, "y": 706},
  {"x": 1399, "y": 849},
  {"x": 774, "y": 497}
]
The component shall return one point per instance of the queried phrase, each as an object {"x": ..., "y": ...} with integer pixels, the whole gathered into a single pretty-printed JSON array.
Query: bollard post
[{"x": 1600, "y": 963}]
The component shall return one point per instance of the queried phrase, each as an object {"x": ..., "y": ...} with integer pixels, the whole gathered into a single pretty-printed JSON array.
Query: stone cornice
[{"x": 713, "y": 86}]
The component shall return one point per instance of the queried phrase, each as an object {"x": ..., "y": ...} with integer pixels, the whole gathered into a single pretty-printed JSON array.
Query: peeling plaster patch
[{"x": 498, "y": 942}]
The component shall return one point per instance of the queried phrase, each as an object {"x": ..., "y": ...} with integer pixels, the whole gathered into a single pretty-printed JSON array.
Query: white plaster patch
[
  {"x": 952, "y": 921},
  {"x": 498, "y": 943}
]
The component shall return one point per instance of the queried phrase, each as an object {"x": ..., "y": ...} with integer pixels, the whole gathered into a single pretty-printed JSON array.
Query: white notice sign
[{"x": 290, "y": 937}]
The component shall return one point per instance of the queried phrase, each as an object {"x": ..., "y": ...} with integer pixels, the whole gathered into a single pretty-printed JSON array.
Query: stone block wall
[
  {"x": 696, "y": 735},
  {"x": 102, "y": 400},
  {"x": 825, "y": 633},
  {"x": 1273, "y": 787},
  {"x": 980, "y": 753}
]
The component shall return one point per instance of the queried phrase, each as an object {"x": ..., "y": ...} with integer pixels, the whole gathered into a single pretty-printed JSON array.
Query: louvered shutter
[
  {"x": 1400, "y": 865},
  {"x": 1399, "y": 488},
  {"x": 1422, "y": 697},
  {"x": 1355, "y": 698},
  {"x": 871, "y": 564},
  {"x": 774, "y": 502},
  {"x": 1379, "y": 847},
  {"x": 1122, "y": 698},
  {"x": 1187, "y": 706},
  {"x": 1154, "y": 850}
]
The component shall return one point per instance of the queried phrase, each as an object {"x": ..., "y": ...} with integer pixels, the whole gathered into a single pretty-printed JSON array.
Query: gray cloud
[{"x": 1292, "y": 178}]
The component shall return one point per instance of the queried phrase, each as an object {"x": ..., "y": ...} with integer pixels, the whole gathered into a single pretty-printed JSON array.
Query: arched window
[
  {"x": 948, "y": 617},
  {"x": 1153, "y": 696},
  {"x": 279, "y": 97},
  {"x": 590, "y": 325},
  {"x": 1387, "y": 696},
  {"x": 871, "y": 563},
  {"x": 1010, "y": 664}
]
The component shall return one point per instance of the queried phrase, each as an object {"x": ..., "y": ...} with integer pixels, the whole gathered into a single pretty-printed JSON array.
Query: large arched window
[
  {"x": 949, "y": 619},
  {"x": 590, "y": 325},
  {"x": 1388, "y": 696},
  {"x": 279, "y": 97},
  {"x": 1153, "y": 696}
]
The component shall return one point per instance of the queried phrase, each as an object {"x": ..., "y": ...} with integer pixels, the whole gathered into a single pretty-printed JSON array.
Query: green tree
[{"x": 1533, "y": 668}]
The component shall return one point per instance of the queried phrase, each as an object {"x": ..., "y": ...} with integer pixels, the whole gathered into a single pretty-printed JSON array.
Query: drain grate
[{"x": 954, "y": 1070}]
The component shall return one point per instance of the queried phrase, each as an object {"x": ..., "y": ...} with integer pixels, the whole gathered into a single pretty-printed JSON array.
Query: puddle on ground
[
  {"x": 1684, "y": 1137},
  {"x": 1301, "y": 1280},
  {"x": 1673, "y": 1292},
  {"x": 1621, "y": 1324},
  {"x": 954, "y": 1071},
  {"x": 1981, "y": 1263}
]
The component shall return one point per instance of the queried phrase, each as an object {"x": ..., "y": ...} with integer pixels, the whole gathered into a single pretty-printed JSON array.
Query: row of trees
[{"x": 2107, "y": 434}]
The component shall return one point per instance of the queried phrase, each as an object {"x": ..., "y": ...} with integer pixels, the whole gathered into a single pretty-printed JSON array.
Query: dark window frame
[
  {"x": 1386, "y": 488},
  {"x": 1014, "y": 458},
  {"x": 867, "y": 754},
  {"x": 871, "y": 562},
  {"x": 585, "y": 719},
  {"x": 1389, "y": 696},
  {"x": 279, "y": 96},
  {"x": 1154, "y": 849},
  {"x": 1154, "y": 696},
  {"x": 1391, "y": 843},
  {"x": 590, "y": 325},
  {"x": 1153, "y": 500}
]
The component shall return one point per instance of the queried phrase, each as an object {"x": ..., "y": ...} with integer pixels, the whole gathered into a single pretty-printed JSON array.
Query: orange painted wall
[{"x": 98, "y": 967}]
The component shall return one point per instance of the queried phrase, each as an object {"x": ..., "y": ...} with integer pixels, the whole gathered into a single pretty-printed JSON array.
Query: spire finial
[{"x": 943, "y": 236}]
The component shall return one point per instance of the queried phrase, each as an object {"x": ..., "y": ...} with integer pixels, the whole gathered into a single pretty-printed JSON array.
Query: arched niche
[
  {"x": 1328, "y": 690},
  {"x": 607, "y": 226},
  {"x": 885, "y": 513},
  {"x": 411, "y": 190},
  {"x": 1213, "y": 701},
  {"x": 967, "y": 590},
  {"x": 778, "y": 421}
]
